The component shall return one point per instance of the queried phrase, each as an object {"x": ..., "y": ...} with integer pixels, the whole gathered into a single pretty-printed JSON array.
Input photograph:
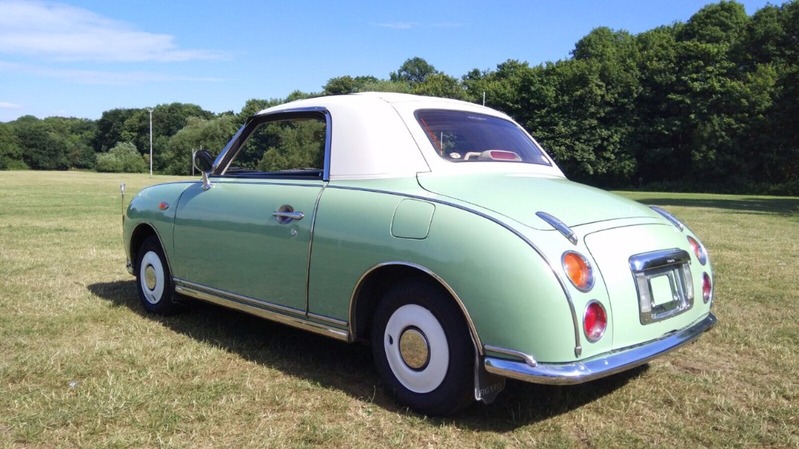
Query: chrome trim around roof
[{"x": 597, "y": 367}]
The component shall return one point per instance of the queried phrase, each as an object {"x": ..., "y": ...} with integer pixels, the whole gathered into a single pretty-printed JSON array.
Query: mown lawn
[{"x": 82, "y": 365}]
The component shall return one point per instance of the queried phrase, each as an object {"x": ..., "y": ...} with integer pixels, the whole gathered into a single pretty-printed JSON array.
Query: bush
[{"x": 122, "y": 158}]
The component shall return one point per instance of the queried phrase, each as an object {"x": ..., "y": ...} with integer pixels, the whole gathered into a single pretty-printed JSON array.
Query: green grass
[{"x": 82, "y": 365}]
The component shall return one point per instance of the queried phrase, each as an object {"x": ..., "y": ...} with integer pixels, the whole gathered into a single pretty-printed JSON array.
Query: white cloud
[
  {"x": 399, "y": 25},
  {"x": 65, "y": 32},
  {"x": 7, "y": 105},
  {"x": 98, "y": 77}
]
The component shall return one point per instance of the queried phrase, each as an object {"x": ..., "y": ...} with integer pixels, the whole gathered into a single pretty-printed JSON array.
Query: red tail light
[
  {"x": 707, "y": 288},
  {"x": 699, "y": 250},
  {"x": 595, "y": 321}
]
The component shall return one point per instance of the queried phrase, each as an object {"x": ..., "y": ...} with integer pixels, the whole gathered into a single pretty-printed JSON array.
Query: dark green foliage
[
  {"x": 10, "y": 150},
  {"x": 209, "y": 134},
  {"x": 413, "y": 71},
  {"x": 123, "y": 158},
  {"x": 42, "y": 146},
  {"x": 346, "y": 85},
  {"x": 710, "y": 104},
  {"x": 284, "y": 145},
  {"x": 297, "y": 145}
]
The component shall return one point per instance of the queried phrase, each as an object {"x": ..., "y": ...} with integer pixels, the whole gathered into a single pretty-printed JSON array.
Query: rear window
[{"x": 460, "y": 136}]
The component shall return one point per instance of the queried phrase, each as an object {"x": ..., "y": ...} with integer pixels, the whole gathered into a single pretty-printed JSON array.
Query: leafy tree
[
  {"x": 110, "y": 128},
  {"x": 507, "y": 88},
  {"x": 42, "y": 148},
  {"x": 299, "y": 95},
  {"x": 440, "y": 85},
  {"x": 77, "y": 135},
  {"x": 10, "y": 150},
  {"x": 706, "y": 104},
  {"x": 585, "y": 128},
  {"x": 252, "y": 106},
  {"x": 718, "y": 23},
  {"x": 346, "y": 84},
  {"x": 296, "y": 144},
  {"x": 122, "y": 158},
  {"x": 198, "y": 133},
  {"x": 765, "y": 36},
  {"x": 168, "y": 119},
  {"x": 386, "y": 86},
  {"x": 413, "y": 71}
]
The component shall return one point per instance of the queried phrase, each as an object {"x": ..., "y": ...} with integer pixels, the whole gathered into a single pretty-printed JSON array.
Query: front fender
[{"x": 153, "y": 208}]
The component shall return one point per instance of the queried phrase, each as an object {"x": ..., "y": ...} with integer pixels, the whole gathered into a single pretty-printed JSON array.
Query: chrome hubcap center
[
  {"x": 414, "y": 348},
  {"x": 150, "y": 278}
]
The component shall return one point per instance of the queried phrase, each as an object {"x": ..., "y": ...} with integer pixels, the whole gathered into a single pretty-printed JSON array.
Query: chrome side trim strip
[
  {"x": 312, "y": 232},
  {"x": 326, "y": 319},
  {"x": 559, "y": 226},
  {"x": 528, "y": 359},
  {"x": 600, "y": 366},
  {"x": 673, "y": 220},
  {"x": 328, "y": 327}
]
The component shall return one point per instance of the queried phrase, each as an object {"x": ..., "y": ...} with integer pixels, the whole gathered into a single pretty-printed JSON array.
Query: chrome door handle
[{"x": 287, "y": 216}]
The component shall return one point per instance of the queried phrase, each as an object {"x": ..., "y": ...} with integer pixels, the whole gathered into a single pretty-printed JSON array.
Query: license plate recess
[{"x": 663, "y": 282}]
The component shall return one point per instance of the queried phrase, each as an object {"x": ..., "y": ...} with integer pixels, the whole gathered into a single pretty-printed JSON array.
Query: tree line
[{"x": 711, "y": 104}]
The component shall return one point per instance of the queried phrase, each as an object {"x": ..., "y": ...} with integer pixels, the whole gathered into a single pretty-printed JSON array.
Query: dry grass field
[{"x": 81, "y": 364}]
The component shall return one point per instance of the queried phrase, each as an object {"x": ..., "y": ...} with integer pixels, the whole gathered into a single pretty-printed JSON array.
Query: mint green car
[{"x": 437, "y": 231}]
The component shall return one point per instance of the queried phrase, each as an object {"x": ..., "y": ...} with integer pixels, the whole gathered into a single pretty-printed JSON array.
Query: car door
[{"x": 247, "y": 238}]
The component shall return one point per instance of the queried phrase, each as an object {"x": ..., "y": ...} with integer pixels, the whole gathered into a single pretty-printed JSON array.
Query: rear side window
[{"x": 460, "y": 136}]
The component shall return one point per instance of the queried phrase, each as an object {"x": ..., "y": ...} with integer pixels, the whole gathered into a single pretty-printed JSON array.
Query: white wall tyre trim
[
  {"x": 151, "y": 276},
  {"x": 417, "y": 318}
]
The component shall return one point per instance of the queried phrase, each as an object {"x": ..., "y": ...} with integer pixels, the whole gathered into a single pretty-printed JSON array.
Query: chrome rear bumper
[{"x": 600, "y": 366}]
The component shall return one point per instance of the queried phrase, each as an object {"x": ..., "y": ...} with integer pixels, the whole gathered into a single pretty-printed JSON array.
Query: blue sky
[{"x": 78, "y": 58}]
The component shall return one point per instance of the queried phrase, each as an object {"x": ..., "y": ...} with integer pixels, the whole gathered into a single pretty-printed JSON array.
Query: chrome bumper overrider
[{"x": 604, "y": 365}]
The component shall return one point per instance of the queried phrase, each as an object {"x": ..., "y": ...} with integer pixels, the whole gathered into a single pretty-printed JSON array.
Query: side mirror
[{"x": 205, "y": 163}]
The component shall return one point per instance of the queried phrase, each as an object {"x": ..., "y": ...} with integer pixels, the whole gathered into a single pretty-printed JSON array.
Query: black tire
[
  {"x": 423, "y": 350},
  {"x": 154, "y": 279}
]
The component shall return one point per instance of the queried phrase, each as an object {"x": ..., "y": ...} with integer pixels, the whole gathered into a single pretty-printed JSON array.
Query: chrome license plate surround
[{"x": 663, "y": 282}]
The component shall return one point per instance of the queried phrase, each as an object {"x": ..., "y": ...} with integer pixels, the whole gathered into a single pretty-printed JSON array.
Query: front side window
[
  {"x": 460, "y": 136},
  {"x": 282, "y": 146}
]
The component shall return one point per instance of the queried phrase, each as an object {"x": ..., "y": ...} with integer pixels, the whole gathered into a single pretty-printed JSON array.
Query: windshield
[{"x": 460, "y": 136}]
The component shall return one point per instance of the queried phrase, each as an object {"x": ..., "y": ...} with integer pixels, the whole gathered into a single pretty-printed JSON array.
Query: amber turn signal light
[{"x": 578, "y": 271}]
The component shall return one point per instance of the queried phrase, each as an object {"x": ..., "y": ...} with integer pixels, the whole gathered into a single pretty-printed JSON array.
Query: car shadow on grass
[{"x": 331, "y": 363}]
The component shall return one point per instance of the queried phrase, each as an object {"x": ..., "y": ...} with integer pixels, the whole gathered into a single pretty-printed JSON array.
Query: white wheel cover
[
  {"x": 152, "y": 295},
  {"x": 431, "y": 376}
]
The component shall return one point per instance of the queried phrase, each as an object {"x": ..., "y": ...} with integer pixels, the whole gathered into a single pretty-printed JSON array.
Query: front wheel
[
  {"x": 423, "y": 350},
  {"x": 153, "y": 279}
]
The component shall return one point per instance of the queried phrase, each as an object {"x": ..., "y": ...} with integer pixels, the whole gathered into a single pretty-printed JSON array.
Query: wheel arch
[
  {"x": 376, "y": 281},
  {"x": 141, "y": 233}
]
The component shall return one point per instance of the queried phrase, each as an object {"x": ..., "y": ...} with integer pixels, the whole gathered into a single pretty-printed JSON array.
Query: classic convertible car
[{"x": 439, "y": 232}]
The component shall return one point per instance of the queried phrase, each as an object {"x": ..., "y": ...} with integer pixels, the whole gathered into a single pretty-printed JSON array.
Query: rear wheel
[
  {"x": 423, "y": 350},
  {"x": 153, "y": 279}
]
